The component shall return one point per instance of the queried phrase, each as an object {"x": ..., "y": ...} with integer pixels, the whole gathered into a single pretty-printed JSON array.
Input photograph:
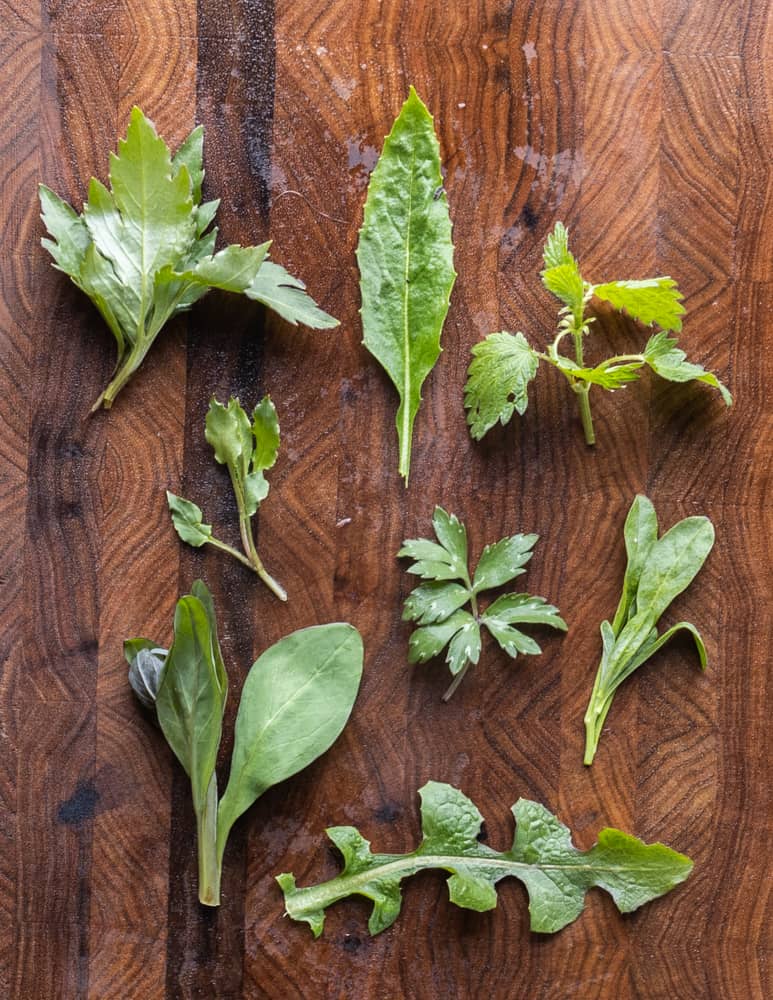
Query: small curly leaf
[{"x": 555, "y": 873}]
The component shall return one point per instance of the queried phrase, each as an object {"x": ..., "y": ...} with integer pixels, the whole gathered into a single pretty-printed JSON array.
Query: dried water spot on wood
[
  {"x": 351, "y": 943},
  {"x": 81, "y": 805},
  {"x": 529, "y": 216},
  {"x": 388, "y": 813}
]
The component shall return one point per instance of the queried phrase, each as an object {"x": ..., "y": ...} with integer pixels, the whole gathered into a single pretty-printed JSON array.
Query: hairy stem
[{"x": 583, "y": 391}]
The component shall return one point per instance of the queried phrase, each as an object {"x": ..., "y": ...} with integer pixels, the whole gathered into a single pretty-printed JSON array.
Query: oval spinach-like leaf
[{"x": 295, "y": 702}]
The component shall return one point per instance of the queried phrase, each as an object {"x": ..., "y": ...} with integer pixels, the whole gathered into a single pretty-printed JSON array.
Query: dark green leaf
[
  {"x": 503, "y": 561},
  {"x": 429, "y": 640},
  {"x": 435, "y": 601},
  {"x": 556, "y": 874}
]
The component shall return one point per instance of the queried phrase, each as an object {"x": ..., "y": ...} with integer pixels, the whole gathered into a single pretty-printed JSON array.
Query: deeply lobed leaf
[{"x": 555, "y": 873}]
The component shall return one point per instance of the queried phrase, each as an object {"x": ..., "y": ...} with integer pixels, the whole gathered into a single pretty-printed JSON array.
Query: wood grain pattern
[{"x": 647, "y": 128}]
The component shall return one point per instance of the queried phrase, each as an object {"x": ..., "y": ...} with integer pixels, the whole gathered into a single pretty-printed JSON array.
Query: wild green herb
[
  {"x": 504, "y": 363},
  {"x": 439, "y": 605},
  {"x": 658, "y": 570},
  {"x": 143, "y": 251},
  {"x": 296, "y": 700},
  {"x": 555, "y": 873},
  {"x": 247, "y": 447},
  {"x": 405, "y": 256}
]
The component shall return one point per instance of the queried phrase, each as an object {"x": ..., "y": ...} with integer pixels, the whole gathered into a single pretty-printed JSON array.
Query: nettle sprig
[
  {"x": 505, "y": 363},
  {"x": 143, "y": 251},
  {"x": 248, "y": 447},
  {"x": 439, "y": 605}
]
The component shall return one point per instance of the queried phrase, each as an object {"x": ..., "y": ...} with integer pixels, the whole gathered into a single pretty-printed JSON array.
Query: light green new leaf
[
  {"x": 653, "y": 300},
  {"x": 608, "y": 377},
  {"x": 295, "y": 702},
  {"x": 503, "y": 365},
  {"x": 265, "y": 430},
  {"x": 191, "y": 156},
  {"x": 566, "y": 283},
  {"x": 555, "y": 873},
  {"x": 670, "y": 362},
  {"x": 503, "y": 561},
  {"x": 187, "y": 521},
  {"x": 405, "y": 257},
  {"x": 229, "y": 432},
  {"x": 286, "y": 295},
  {"x": 556, "y": 250},
  {"x": 191, "y": 698},
  {"x": 70, "y": 236}
]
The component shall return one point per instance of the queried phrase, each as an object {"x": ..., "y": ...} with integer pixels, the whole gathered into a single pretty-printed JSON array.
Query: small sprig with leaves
[
  {"x": 555, "y": 873},
  {"x": 439, "y": 605},
  {"x": 248, "y": 448},
  {"x": 505, "y": 363},
  {"x": 143, "y": 252},
  {"x": 658, "y": 570}
]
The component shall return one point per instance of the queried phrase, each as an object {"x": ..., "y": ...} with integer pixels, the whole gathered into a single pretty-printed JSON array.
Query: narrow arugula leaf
[
  {"x": 555, "y": 873},
  {"x": 142, "y": 253},
  {"x": 438, "y": 605},
  {"x": 670, "y": 362},
  {"x": 295, "y": 702},
  {"x": 659, "y": 569},
  {"x": 405, "y": 257},
  {"x": 503, "y": 365},
  {"x": 653, "y": 300},
  {"x": 247, "y": 447}
]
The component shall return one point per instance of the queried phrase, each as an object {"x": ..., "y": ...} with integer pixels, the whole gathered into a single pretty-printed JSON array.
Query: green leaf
[
  {"x": 670, "y": 362},
  {"x": 191, "y": 699},
  {"x": 141, "y": 252},
  {"x": 187, "y": 521},
  {"x": 566, "y": 283},
  {"x": 229, "y": 432},
  {"x": 653, "y": 300},
  {"x": 432, "y": 602},
  {"x": 295, "y": 702},
  {"x": 405, "y": 257},
  {"x": 70, "y": 236},
  {"x": 446, "y": 561},
  {"x": 430, "y": 640},
  {"x": 286, "y": 295},
  {"x": 503, "y": 365},
  {"x": 556, "y": 250},
  {"x": 437, "y": 606},
  {"x": 555, "y": 873},
  {"x": 651, "y": 646},
  {"x": 146, "y": 666},
  {"x": 265, "y": 429},
  {"x": 503, "y": 561},
  {"x": 641, "y": 533},
  {"x": 659, "y": 570},
  {"x": 607, "y": 376}
]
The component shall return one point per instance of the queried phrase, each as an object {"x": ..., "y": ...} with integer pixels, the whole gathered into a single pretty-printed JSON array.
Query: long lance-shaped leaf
[
  {"x": 405, "y": 256},
  {"x": 556, "y": 874}
]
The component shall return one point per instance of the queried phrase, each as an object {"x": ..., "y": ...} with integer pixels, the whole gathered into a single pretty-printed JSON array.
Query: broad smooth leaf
[
  {"x": 405, "y": 257},
  {"x": 555, "y": 873},
  {"x": 187, "y": 521},
  {"x": 672, "y": 563},
  {"x": 191, "y": 697},
  {"x": 295, "y": 702},
  {"x": 670, "y": 362},
  {"x": 498, "y": 380},
  {"x": 653, "y": 300},
  {"x": 229, "y": 432}
]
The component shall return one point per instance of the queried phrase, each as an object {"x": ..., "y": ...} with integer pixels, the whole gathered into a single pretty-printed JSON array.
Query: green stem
[
  {"x": 583, "y": 391},
  {"x": 124, "y": 372},
  {"x": 245, "y": 529},
  {"x": 209, "y": 861},
  {"x": 594, "y": 722},
  {"x": 231, "y": 551}
]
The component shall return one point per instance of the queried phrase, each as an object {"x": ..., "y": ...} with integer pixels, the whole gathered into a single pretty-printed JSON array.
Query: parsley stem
[{"x": 457, "y": 680}]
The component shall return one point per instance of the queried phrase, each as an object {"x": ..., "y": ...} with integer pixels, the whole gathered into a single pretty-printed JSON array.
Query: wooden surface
[{"x": 647, "y": 127}]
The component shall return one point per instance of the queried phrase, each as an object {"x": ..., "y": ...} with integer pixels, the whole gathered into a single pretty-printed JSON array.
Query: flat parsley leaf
[
  {"x": 555, "y": 873},
  {"x": 438, "y": 605},
  {"x": 142, "y": 253}
]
